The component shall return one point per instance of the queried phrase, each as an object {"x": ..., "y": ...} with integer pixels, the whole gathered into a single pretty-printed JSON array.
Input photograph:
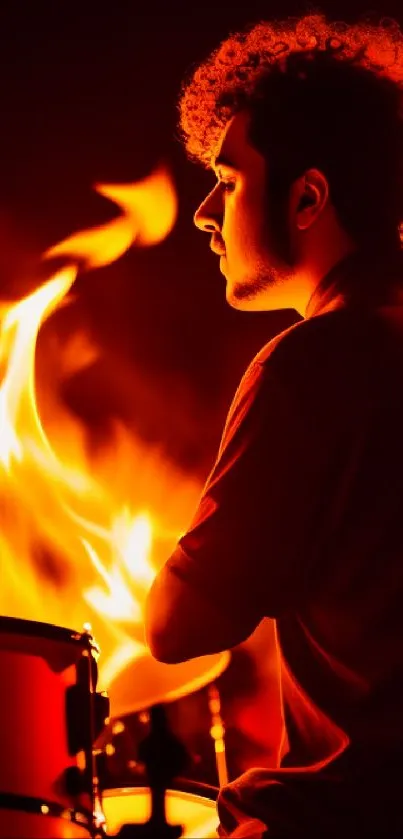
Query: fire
[
  {"x": 149, "y": 213},
  {"x": 132, "y": 541},
  {"x": 76, "y": 545}
]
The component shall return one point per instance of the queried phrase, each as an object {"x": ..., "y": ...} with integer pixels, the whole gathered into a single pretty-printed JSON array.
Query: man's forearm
[{"x": 181, "y": 623}]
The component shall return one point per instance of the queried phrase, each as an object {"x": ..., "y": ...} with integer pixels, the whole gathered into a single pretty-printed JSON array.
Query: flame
[
  {"x": 75, "y": 544},
  {"x": 138, "y": 222},
  {"x": 19, "y": 331},
  {"x": 132, "y": 540}
]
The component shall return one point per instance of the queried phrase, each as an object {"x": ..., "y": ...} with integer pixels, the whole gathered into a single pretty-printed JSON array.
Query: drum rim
[
  {"x": 40, "y": 629},
  {"x": 39, "y": 806},
  {"x": 217, "y": 664},
  {"x": 191, "y": 789}
]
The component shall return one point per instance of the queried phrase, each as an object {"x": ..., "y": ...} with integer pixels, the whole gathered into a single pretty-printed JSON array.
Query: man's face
[{"x": 235, "y": 213}]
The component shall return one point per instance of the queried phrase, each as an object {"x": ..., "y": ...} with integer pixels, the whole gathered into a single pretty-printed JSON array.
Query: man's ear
[{"x": 309, "y": 196}]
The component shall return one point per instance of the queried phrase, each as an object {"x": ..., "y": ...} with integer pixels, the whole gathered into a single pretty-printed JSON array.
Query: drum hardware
[
  {"x": 217, "y": 732},
  {"x": 191, "y": 803},
  {"x": 141, "y": 812},
  {"x": 164, "y": 758},
  {"x": 37, "y": 806},
  {"x": 87, "y": 713},
  {"x": 79, "y": 714},
  {"x": 190, "y": 694},
  {"x": 170, "y": 718}
]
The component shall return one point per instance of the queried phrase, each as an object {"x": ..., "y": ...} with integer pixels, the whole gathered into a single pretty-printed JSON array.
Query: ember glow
[{"x": 75, "y": 544}]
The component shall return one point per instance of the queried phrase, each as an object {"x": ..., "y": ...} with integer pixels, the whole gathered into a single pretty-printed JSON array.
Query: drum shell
[
  {"x": 39, "y": 666},
  {"x": 16, "y": 824},
  {"x": 34, "y": 706}
]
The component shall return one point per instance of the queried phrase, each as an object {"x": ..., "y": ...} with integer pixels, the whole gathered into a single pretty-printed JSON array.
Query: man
[{"x": 301, "y": 518}]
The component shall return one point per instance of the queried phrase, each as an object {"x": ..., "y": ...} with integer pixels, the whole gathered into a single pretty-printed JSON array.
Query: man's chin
[
  {"x": 243, "y": 297},
  {"x": 236, "y": 303}
]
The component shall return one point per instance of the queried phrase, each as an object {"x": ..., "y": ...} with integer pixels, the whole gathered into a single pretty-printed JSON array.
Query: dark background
[{"x": 88, "y": 93}]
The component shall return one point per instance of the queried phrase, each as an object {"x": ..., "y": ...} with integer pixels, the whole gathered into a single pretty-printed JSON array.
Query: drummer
[{"x": 300, "y": 121}]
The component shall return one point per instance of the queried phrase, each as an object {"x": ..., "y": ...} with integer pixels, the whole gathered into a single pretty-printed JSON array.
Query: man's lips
[{"x": 217, "y": 248}]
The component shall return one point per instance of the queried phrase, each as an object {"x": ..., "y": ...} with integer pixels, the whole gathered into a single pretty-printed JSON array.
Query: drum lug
[
  {"x": 76, "y": 781},
  {"x": 78, "y": 718},
  {"x": 101, "y": 712},
  {"x": 79, "y": 710}
]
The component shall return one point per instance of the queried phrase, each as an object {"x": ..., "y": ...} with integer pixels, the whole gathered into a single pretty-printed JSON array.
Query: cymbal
[{"x": 146, "y": 682}]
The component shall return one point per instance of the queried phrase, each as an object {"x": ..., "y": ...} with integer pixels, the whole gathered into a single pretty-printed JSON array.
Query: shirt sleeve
[{"x": 250, "y": 544}]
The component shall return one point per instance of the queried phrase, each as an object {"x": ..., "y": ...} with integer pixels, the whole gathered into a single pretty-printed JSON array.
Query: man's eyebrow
[{"x": 222, "y": 160}]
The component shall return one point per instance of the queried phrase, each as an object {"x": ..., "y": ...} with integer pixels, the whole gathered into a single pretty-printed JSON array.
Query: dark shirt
[{"x": 301, "y": 521}]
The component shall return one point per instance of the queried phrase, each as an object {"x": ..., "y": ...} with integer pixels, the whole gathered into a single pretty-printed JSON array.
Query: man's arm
[
  {"x": 249, "y": 547},
  {"x": 182, "y": 622}
]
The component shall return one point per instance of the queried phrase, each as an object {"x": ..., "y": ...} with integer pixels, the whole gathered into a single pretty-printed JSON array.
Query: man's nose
[{"x": 208, "y": 216}]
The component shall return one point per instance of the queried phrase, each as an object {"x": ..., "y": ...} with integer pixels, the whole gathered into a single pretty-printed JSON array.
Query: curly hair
[{"x": 320, "y": 93}]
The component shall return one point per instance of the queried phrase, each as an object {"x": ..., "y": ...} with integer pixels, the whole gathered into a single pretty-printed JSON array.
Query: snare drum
[
  {"x": 194, "y": 811},
  {"x": 50, "y": 716}
]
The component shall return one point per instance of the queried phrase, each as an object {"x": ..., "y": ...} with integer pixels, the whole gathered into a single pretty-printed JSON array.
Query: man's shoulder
[
  {"x": 299, "y": 340},
  {"x": 342, "y": 351},
  {"x": 283, "y": 354},
  {"x": 317, "y": 341}
]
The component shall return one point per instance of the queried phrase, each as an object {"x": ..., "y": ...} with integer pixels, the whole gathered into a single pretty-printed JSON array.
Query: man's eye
[{"x": 227, "y": 186}]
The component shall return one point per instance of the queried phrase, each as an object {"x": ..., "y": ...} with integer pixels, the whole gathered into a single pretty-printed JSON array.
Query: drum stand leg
[
  {"x": 164, "y": 757},
  {"x": 217, "y": 732}
]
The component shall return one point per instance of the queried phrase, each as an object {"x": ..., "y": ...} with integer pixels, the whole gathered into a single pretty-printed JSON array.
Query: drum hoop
[
  {"x": 193, "y": 789},
  {"x": 38, "y": 629},
  {"x": 38, "y": 806}
]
